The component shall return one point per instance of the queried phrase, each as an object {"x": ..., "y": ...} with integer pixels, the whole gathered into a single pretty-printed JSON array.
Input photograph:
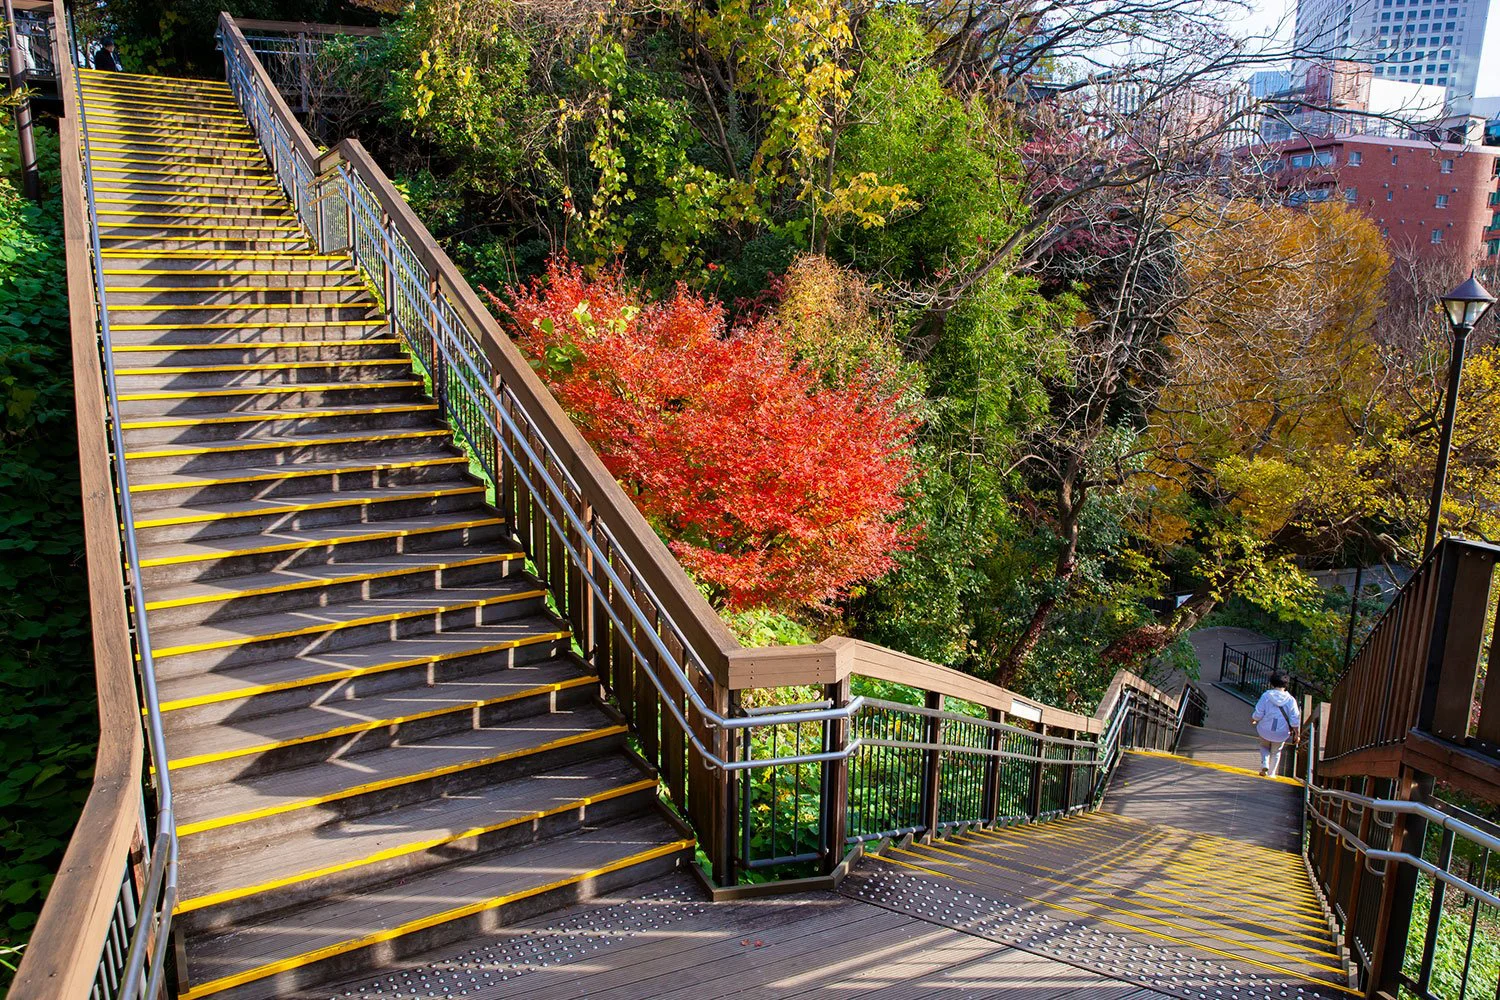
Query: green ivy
[{"x": 48, "y": 724}]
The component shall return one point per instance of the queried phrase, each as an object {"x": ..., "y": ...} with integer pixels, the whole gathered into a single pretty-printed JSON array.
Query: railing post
[
  {"x": 1068, "y": 768},
  {"x": 835, "y": 792},
  {"x": 931, "y": 783},
  {"x": 1452, "y": 668},
  {"x": 1034, "y": 795},
  {"x": 992, "y": 767},
  {"x": 1398, "y": 890}
]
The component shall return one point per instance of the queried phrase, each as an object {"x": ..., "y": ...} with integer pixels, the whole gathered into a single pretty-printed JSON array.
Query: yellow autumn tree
[{"x": 1259, "y": 453}]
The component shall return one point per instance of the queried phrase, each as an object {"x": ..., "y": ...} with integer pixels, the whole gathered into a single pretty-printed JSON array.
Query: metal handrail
[
  {"x": 1408, "y": 807},
  {"x": 164, "y": 851}
]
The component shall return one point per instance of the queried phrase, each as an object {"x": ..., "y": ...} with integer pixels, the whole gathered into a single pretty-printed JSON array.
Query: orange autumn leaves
[{"x": 775, "y": 487}]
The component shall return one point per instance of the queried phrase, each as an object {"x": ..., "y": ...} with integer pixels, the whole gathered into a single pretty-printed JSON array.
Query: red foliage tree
[{"x": 776, "y": 489}]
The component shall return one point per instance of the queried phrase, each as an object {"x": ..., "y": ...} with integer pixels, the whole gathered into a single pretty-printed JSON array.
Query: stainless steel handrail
[
  {"x": 163, "y": 853},
  {"x": 1410, "y": 808}
]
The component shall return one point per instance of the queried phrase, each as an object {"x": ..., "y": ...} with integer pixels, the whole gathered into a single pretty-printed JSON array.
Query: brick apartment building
[{"x": 1438, "y": 198}]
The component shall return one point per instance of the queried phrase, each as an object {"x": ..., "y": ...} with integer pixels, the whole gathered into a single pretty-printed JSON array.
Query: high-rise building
[{"x": 1453, "y": 44}]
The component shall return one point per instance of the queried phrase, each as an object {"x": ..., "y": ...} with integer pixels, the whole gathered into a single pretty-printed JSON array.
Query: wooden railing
[
  {"x": 81, "y": 941},
  {"x": 1404, "y": 721},
  {"x": 1409, "y": 695}
]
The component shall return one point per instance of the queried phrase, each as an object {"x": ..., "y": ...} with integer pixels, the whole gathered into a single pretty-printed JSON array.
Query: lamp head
[{"x": 1467, "y": 304}]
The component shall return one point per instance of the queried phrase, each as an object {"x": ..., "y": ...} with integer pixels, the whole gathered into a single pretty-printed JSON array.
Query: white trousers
[{"x": 1270, "y": 756}]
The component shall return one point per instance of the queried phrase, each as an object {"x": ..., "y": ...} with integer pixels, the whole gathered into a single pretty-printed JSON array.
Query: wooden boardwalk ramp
[{"x": 1189, "y": 881}]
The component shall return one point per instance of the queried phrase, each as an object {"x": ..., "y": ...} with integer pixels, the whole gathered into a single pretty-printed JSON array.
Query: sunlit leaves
[{"x": 776, "y": 488}]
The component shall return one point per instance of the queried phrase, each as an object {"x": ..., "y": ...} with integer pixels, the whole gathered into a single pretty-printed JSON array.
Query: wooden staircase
[{"x": 378, "y": 735}]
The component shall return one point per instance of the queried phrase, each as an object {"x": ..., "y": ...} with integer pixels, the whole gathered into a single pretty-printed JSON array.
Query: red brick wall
[{"x": 1413, "y": 182}]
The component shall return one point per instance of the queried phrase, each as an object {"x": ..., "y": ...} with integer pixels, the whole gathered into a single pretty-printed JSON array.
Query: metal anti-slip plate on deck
[
  {"x": 1082, "y": 943},
  {"x": 477, "y": 970}
]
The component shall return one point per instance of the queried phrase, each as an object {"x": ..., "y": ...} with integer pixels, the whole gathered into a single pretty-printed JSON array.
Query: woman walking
[{"x": 1276, "y": 720}]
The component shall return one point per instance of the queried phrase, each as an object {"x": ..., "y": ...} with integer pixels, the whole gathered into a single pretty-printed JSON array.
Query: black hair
[
  {"x": 106, "y": 43},
  {"x": 1278, "y": 680}
]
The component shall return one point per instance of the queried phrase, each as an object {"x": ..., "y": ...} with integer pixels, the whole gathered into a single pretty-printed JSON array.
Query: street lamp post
[{"x": 1464, "y": 306}]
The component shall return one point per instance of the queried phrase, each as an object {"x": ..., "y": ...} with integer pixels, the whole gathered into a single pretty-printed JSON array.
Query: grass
[{"x": 1453, "y": 939}]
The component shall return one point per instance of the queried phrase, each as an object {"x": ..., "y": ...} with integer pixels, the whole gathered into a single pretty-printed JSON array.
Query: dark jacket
[{"x": 105, "y": 59}]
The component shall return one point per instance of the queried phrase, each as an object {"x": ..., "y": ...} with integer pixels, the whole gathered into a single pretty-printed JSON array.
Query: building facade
[
  {"x": 1453, "y": 44},
  {"x": 1427, "y": 198}
]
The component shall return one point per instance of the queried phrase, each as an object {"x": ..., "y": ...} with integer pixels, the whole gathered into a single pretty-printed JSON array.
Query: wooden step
[
  {"x": 383, "y": 778},
  {"x": 314, "y": 675},
  {"x": 242, "y": 745},
  {"x": 219, "y": 887},
  {"x": 242, "y": 555},
  {"x": 253, "y": 639},
  {"x": 289, "y": 589},
  {"x": 270, "y": 482},
  {"x": 231, "y": 426},
  {"x": 201, "y": 521},
  {"x": 282, "y": 953}
]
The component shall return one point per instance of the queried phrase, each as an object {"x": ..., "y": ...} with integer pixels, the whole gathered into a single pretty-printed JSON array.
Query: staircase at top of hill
[{"x": 378, "y": 736}]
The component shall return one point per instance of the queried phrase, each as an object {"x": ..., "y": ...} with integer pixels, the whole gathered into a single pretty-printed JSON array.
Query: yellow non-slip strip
[
  {"x": 458, "y": 913},
  {"x": 255, "y": 390},
  {"x": 1180, "y": 942},
  {"x": 185, "y": 198},
  {"x": 279, "y": 325},
  {"x": 207, "y": 290},
  {"x": 149, "y": 78},
  {"x": 169, "y": 140},
  {"x": 136, "y": 213},
  {"x": 374, "y": 536},
  {"x": 1147, "y": 851},
  {"x": 136, "y": 254},
  {"x": 1138, "y": 854},
  {"x": 104, "y": 128},
  {"x": 188, "y": 829},
  {"x": 214, "y": 289},
  {"x": 223, "y": 272},
  {"x": 111, "y": 107},
  {"x": 232, "y": 176},
  {"x": 337, "y": 676},
  {"x": 321, "y": 627},
  {"x": 1278, "y": 908},
  {"x": 252, "y": 345},
  {"x": 255, "y": 306},
  {"x": 338, "y": 581},
  {"x": 366, "y": 726},
  {"x": 216, "y": 230},
  {"x": 229, "y": 448},
  {"x": 264, "y": 366},
  {"x": 162, "y": 522},
  {"x": 162, "y": 107},
  {"x": 1160, "y": 901},
  {"x": 296, "y": 472},
  {"x": 1193, "y": 943},
  {"x": 180, "y": 159},
  {"x": 418, "y": 847},
  {"x": 1213, "y": 766}
]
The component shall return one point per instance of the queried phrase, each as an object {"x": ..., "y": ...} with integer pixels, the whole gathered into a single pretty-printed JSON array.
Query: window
[
  {"x": 1447, "y": 166},
  {"x": 1390, "y": 195},
  {"x": 1351, "y": 195},
  {"x": 1494, "y": 247},
  {"x": 1437, "y": 236},
  {"x": 1356, "y": 157},
  {"x": 1394, "y": 158},
  {"x": 1442, "y": 201}
]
